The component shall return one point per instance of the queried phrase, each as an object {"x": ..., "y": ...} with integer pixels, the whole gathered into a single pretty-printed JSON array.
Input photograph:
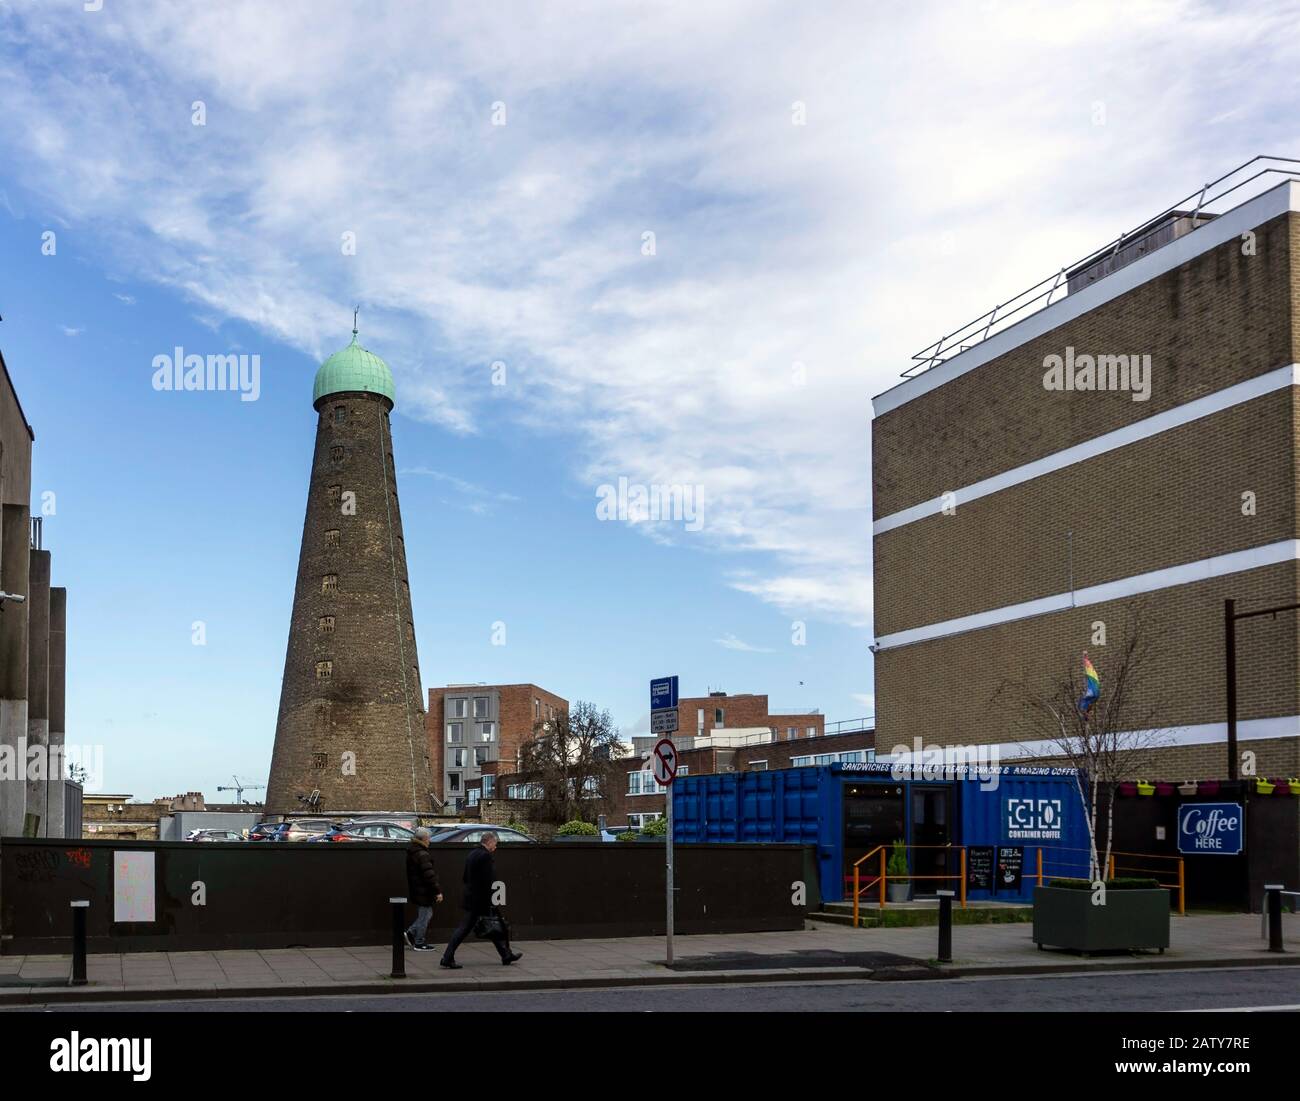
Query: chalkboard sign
[
  {"x": 979, "y": 868},
  {"x": 1011, "y": 865}
]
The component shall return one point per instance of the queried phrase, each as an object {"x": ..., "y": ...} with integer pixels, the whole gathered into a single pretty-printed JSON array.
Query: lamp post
[{"x": 1230, "y": 617}]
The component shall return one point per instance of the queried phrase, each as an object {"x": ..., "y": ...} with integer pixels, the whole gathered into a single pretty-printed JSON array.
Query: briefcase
[{"x": 491, "y": 924}]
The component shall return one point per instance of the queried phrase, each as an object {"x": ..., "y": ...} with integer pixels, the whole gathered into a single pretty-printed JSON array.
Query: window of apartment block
[
  {"x": 455, "y": 732},
  {"x": 719, "y": 716},
  {"x": 332, "y": 537},
  {"x": 791, "y": 733},
  {"x": 699, "y": 721},
  {"x": 489, "y": 786},
  {"x": 537, "y": 709},
  {"x": 329, "y": 583},
  {"x": 324, "y": 670},
  {"x": 480, "y": 707},
  {"x": 487, "y": 731},
  {"x": 456, "y": 708},
  {"x": 327, "y": 623},
  {"x": 812, "y": 732},
  {"x": 473, "y": 797},
  {"x": 757, "y": 766},
  {"x": 456, "y": 758},
  {"x": 453, "y": 781},
  {"x": 481, "y": 755},
  {"x": 800, "y": 762},
  {"x": 640, "y": 821}
]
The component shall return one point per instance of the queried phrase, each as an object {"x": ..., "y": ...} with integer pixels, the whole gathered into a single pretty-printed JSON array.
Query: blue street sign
[
  {"x": 663, "y": 693},
  {"x": 1213, "y": 828}
]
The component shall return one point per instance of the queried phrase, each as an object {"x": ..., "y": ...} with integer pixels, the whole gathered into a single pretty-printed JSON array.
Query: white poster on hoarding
[{"x": 133, "y": 886}]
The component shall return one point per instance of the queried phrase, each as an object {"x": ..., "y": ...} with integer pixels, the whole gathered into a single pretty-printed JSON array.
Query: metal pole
[
  {"x": 1273, "y": 906},
  {"x": 945, "y": 926},
  {"x": 399, "y": 938},
  {"x": 1230, "y": 672},
  {"x": 79, "y": 943},
  {"x": 668, "y": 799}
]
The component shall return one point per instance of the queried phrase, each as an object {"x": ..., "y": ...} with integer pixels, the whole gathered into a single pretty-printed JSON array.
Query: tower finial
[{"x": 355, "y": 310}]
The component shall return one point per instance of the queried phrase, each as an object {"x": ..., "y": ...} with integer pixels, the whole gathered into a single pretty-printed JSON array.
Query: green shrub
[
  {"x": 626, "y": 835},
  {"x": 897, "y": 866},
  {"x": 1130, "y": 884},
  {"x": 577, "y": 828},
  {"x": 656, "y": 828}
]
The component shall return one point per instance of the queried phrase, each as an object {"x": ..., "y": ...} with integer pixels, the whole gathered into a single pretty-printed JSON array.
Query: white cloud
[
  {"x": 69, "y": 331},
  {"x": 948, "y": 160},
  {"x": 731, "y": 642}
]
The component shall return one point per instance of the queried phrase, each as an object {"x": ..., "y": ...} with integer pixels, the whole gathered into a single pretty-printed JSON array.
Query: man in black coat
[
  {"x": 422, "y": 887},
  {"x": 480, "y": 874}
]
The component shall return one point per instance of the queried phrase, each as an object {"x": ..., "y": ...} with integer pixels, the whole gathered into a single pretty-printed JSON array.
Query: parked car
[
  {"x": 302, "y": 830},
  {"x": 471, "y": 835},
  {"x": 366, "y": 831},
  {"x": 263, "y": 831},
  {"x": 214, "y": 835}
]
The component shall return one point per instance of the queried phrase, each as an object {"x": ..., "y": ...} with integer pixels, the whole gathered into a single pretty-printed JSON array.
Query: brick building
[
  {"x": 1015, "y": 510},
  {"x": 699, "y": 715},
  {"x": 475, "y": 730},
  {"x": 350, "y": 732}
]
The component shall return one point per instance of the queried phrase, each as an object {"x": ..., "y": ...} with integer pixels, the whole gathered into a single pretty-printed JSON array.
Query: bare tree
[
  {"x": 570, "y": 759},
  {"x": 1105, "y": 739}
]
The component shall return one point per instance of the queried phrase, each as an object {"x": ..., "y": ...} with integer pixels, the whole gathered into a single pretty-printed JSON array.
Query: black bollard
[
  {"x": 945, "y": 926},
  {"x": 78, "y": 943},
  {"x": 1273, "y": 904},
  {"x": 399, "y": 938}
]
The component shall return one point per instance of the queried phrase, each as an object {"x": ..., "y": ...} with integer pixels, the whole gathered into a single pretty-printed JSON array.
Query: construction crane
[{"x": 240, "y": 787}]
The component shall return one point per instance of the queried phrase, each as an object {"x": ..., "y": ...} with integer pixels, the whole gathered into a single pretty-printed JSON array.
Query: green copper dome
[{"x": 353, "y": 369}]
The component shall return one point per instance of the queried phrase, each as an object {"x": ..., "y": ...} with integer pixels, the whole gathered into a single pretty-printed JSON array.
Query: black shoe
[
  {"x": 426, "y": 947},
  {"x": 506, "y": 961},
  {"x": 451, "y": 965},
  {"x": 409, "y": 938}
]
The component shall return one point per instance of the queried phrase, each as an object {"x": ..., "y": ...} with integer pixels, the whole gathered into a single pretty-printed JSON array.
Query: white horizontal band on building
[
  {"x": 1248, "y": 730},
  {"x": 1286, "y": 550},
  {"x": 1278, "y": 379}
]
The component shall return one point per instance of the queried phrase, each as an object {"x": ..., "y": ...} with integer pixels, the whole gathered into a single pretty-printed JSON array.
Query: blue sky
[{"x": 941, "y": 164}]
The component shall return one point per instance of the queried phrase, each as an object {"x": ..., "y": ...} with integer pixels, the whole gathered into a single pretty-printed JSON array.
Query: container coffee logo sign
[
  {"x": 1210, "y": 828},
  {"x": 1031, "y": 819}
]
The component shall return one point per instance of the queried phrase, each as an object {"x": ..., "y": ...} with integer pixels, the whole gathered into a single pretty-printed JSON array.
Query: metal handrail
[{"x": 969, "y": 335}]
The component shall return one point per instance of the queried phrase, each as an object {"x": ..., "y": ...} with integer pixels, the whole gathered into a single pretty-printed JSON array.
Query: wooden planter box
[{"x": 1065, "y": 918}]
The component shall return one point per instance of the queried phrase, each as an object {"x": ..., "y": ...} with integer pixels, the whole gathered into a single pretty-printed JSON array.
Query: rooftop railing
[{"x": 1263, "y": 172}]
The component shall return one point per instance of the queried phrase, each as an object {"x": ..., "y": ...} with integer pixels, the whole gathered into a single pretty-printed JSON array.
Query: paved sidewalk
[{"x": 817, "y": 952}]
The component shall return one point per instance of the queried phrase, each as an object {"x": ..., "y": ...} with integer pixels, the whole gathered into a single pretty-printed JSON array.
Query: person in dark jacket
[
  {"x": 480, "y": 874},
  {"x": 422, "y": 886}
]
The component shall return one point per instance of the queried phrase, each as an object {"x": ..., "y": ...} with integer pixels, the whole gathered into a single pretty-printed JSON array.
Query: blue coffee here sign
[{"x": 1210, "y": 828}]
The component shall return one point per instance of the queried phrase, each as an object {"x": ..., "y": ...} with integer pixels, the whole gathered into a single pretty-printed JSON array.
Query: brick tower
[{"x": 350, "y": 733}]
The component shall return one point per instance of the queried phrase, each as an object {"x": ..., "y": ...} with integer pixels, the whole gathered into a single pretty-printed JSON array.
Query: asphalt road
[{"x": 1253, "y": 988}]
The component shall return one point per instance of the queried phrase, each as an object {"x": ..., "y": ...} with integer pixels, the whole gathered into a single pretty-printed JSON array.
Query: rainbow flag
[{"x": 1092, "y": 685}]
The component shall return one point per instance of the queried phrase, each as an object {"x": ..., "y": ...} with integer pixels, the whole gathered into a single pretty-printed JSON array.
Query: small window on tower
[
  {"x": 327, "y": 623},
  {"x": 340, "y": 414},
  {"x": 410, "y": 632},
  {"x": 336, "y": 453},
  {"x": 332, "y": 537},
  {"x": 324, "y": 670},
  {"x": 329, "y": 583},
  {"x": 336, "y": 493},
  {"x": 318, "y": 760}
]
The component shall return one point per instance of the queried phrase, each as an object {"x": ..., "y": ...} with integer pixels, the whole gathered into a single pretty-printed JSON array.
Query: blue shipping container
[{"x": 1006, "y": 818}]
